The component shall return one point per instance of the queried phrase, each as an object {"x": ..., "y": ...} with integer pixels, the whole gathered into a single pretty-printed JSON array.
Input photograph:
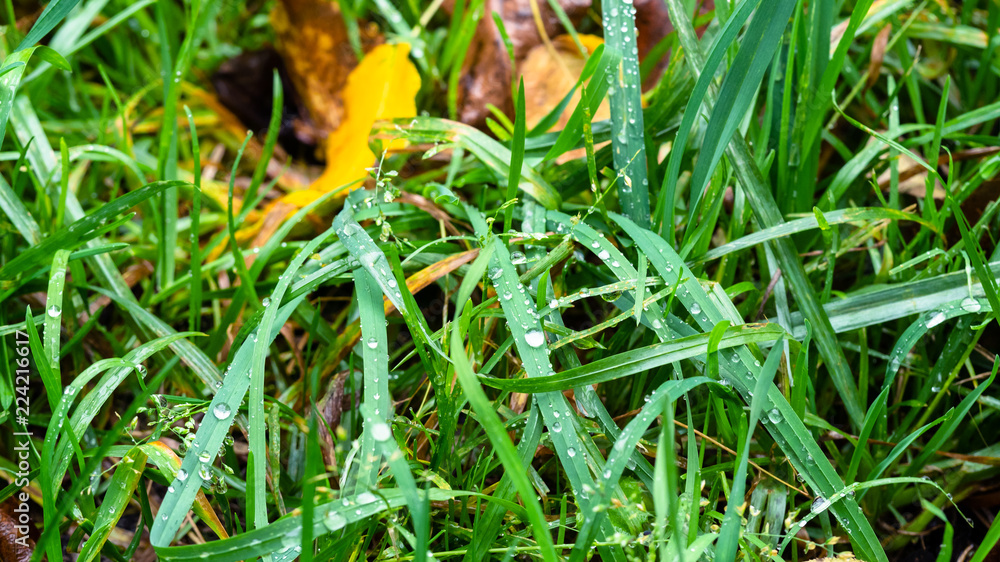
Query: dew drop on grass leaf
[
  {"x": 334, "y": 520},
  {"x": 517, "y": 258},
  {"x": 604, "y": 254},
  {"x": 535, "y": 338},
  {"x": 971, "y": 305},
  {"x": 372, "y": 343},
  {"x": 381, "y": 432},
  {"x": 54, "y": 311},
  {"x": 265, "y": 302},
  {"x": 695, "y": 308},
  {"x": 819, "y": 504},
  {"x": 221, "y": 411},
  {"x": 936, "y": 319},
  {"x": 774, "y": 415},
  {"x": 557, "y": 427},
  {"x": 182, "y": 475}
]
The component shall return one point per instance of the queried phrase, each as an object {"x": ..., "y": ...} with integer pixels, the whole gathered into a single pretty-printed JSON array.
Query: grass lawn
[{"x": 500, "y": 280}]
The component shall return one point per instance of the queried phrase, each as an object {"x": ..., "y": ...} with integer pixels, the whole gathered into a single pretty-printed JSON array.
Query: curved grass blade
[
  {"x": 638, "y": 360},
  {"x": 791, "y": 227},
  {"x": 626, "y": 442},
  {"x": 120, "y": 489}
]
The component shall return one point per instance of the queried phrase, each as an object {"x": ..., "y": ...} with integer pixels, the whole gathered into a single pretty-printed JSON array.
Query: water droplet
[
  {"x": 571, "y": 452},
  {"x": 971, "y": 305},
  {"x": 221, "y": 411},
  {"x": 182, "y": 475},
  {"x": 372, "y": 343},
  {"x": 333, "y": 520},
  {"x": 774, "y": 415},
  {"x": 507, "y": 295},
  {"x": 557, "y": 427},
  {"x": 936, "y": 319},
  {"x": 819, "y": 504},
  {"x": 695, "y": 308},
  {"x": 54, "y": 311},
  {"x": 381, "y": 432},
  {"x": 265, "y": 302},
  {"x": 604, "y": 254},
  {"x": 657, "y": 324},
  {"x": 517, "y": 258},
  {"x": 535, "y": 338}
]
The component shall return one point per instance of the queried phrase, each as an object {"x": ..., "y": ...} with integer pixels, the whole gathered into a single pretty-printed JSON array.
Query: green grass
[{"x": 731, "y": 330}]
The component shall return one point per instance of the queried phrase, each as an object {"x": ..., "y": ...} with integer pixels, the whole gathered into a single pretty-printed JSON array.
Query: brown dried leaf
[
  {"x": 312, "y": 40},
  {"x": 14, "y": 545},
  {"x": 549, "y": 73}
]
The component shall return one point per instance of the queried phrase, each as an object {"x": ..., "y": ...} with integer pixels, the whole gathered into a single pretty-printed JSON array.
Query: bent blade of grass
[
  {"x": 638, "y": 360},
  {"x": 822, "y": 504},
  {"x": 362, "y": 248},
  {"x": 791, "y": 227},
  {"x": 625, "y": 443},
  {"x": 873, "y": 307},
  {"x": 121, "y": 487},
  {"x": 627, "y": 138}
]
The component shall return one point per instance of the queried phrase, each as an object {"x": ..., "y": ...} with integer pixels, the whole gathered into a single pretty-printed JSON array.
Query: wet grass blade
[{"x": 625, "y": 95}]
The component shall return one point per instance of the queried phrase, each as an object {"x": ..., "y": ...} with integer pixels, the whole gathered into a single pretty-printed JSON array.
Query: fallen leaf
[
  {"x": 383, "y": 86},
  {"x": 487, "y": 72},
  {"x": 549, "y": 73},
  {"x": 312, "y": 40},
  {"x": 11, "y": 549},
  {"x": 912, "y": 179}
]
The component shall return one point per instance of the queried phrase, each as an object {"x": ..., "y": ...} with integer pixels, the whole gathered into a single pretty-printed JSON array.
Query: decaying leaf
[
  {"x": 912, "y": 179},
  {"x": 312, "y": 40},
  {"x": 383, "y": 86},
  {"x": 549, "y": 73},
  {"x": 487, "y": 72},
  {"x": 12, "y": 548}
]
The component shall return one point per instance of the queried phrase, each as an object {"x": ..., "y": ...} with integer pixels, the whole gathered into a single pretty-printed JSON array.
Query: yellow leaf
[{"x": 383, "y": 86}]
